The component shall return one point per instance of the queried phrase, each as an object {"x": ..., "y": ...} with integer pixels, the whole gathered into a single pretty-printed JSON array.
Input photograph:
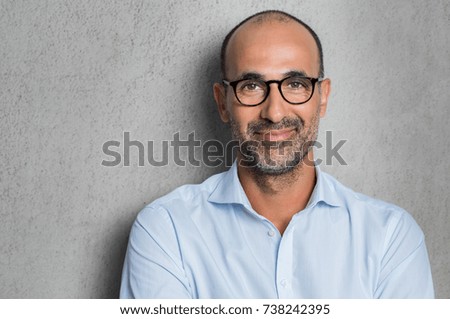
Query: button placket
[{"x": 284, "y": 265}]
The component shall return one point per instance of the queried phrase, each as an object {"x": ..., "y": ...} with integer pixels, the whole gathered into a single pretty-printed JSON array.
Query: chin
[
  {"x": 277, "y": 168},
  {"x": 273, "y": 170}
]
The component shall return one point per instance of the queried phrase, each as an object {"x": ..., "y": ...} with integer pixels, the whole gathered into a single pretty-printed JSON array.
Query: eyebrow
[
  {"x": 250, "y": 76},
  {"x": 258, "y": 76},
  {"x": 295, "y": 73}
]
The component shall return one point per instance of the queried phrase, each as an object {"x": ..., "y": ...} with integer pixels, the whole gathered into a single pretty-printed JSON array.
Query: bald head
[{"x": 265, "y": 17}]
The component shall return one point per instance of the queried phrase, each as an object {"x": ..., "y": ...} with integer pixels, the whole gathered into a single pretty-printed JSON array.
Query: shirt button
[
  {"x": 283, "y": 283},
  {"x": 271, "y": 233}
]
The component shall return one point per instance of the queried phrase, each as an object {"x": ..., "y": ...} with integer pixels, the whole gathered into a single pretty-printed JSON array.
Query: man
[{"x": 274, "y": 225}]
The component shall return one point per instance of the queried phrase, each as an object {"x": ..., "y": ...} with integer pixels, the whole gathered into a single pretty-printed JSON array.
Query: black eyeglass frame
[{"x": 234, "y": 84}]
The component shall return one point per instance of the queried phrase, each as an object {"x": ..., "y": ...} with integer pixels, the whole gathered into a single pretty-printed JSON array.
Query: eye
[
  {"x": 297, "y": 83},
  {"x": 250, "y": 85}
]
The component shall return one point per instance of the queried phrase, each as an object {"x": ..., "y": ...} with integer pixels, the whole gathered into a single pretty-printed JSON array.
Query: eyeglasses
[{"x": 293, "y": 89}]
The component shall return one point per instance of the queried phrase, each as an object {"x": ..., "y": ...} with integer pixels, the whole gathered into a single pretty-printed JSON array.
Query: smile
[{"x": 277, "y": 135}]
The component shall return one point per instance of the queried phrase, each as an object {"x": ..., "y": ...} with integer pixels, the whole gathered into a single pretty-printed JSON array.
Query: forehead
[{"x": 271, "y": 48}]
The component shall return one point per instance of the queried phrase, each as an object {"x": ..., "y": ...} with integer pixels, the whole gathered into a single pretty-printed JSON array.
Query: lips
[{"x": 277, "y": 135}]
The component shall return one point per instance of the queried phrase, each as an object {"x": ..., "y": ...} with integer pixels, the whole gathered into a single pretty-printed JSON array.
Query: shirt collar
[
  {"x": 229, "y": 190},
  {"x": 324, "y": 191}
]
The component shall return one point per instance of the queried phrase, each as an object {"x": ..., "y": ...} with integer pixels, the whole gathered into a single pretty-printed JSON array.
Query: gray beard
[{"x": 275, "y": 158}]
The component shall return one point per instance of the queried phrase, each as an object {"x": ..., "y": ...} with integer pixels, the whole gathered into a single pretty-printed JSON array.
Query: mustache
[{"x": 265, "y": 125}]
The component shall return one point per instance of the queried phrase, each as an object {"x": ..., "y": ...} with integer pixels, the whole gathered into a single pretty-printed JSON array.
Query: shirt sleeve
[
  {"x": 405, "y": 268},
  {"x": 153, "y": 265}
]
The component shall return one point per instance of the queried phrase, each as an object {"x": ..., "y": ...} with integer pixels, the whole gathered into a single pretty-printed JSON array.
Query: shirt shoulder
[
  {"x": 349, "y": 197},
  {"x": 184, "y": 197},
  {"x": 375, "y": 213}
]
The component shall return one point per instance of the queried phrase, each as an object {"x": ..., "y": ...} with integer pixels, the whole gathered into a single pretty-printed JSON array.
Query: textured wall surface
[{"x": 75, "y": 74}]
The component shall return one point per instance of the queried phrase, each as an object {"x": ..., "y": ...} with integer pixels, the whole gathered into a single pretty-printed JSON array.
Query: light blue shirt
[{"x": 206, "y": 241}]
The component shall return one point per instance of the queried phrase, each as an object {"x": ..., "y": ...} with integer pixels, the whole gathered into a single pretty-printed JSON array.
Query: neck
[{"x": 279, "y": 197}]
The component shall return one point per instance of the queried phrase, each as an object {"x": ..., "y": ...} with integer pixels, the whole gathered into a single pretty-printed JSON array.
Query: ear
[
  {"x": 219, "y": 96},
  {"x": 325, "y": 89}
]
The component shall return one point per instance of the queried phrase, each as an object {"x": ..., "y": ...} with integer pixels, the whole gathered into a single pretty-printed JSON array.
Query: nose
[{"x": 274, "y": 107}]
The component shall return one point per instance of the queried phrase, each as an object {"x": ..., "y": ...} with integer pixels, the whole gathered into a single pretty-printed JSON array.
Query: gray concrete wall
[{"x": 75, "y": 74}]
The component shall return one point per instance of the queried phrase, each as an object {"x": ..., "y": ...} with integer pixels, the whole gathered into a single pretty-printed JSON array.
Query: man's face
[{"x": 275, "y": 136}]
